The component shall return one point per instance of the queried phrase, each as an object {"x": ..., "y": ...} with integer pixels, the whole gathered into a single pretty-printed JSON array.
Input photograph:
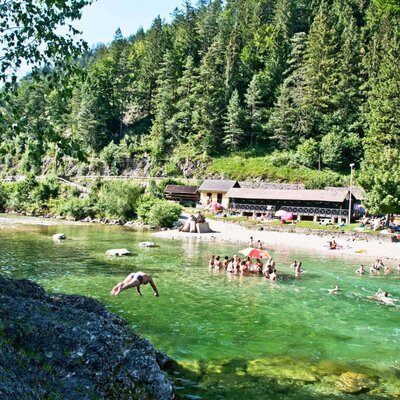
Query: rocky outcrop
[{"x": 71, "y": 347}]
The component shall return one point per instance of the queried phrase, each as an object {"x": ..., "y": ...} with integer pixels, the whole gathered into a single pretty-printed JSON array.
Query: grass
[{"x": 250, "y": 168}]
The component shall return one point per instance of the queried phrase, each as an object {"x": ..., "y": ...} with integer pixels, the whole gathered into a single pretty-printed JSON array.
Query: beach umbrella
[
  {"x": 254, "y": 253},
  {"x": 288, "y": 216},
  {"x": 279, "y": 213},
  {"x": 216, "y": 207}
]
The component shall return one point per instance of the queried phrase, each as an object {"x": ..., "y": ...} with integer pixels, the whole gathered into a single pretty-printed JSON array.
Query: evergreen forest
[{"x": 283, "y": 90}]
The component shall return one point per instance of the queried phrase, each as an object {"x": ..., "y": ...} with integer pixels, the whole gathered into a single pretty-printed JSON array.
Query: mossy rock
[
  {"x": 192, "y": 366},
  {"x": 352, "y": 382},
  {"x": 283, "y": 368}
]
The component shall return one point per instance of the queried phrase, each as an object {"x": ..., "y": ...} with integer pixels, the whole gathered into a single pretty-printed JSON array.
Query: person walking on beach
[{"x": 135, "y": 279}]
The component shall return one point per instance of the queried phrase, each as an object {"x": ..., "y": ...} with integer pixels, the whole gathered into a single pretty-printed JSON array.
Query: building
[
  {"x": 214, "y": 191},
  {"x": 187, "y": 195},
  {"x": 303, "y": 203}
]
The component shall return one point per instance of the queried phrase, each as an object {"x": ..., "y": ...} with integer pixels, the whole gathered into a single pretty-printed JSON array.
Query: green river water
[{"x": 235, "y": 337}]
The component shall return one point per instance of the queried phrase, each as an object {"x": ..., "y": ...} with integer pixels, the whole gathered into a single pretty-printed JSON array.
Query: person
[
  {"x": 361, "y": 270},
  {"x": 135, "y": 279},
  {"x": 212, "y": 261},
  {"x": 298, "y": 269},
  {"x": 231, "y": 267},
  {"x": 294, "y": 264},
  {"x": 226, "y": 262},
  {"x": 243, "y": 267},
  {"x": 251, "y": 241},
  {"x": 217, "y": 263},
  {"x": 336, "y": 289},
  {"x": 387, "y": 269},
  {"x": 332, "y": 244},
  {"x": 259, "y": 244},
  {"x": 373, "y": 269},
  {"x": 273, "y": 276},
  {"x": 383, "y": 296},
  {"x": 398, "y": 268}
]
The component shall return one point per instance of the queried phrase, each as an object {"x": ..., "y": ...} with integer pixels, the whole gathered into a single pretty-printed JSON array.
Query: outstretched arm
[{"x": 138, "y": 290}]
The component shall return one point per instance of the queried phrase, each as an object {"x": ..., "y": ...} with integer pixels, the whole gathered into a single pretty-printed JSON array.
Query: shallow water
[{"x": 233, "y": 336}]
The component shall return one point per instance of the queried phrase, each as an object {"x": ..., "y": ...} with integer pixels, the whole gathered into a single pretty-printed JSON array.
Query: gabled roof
[
  {"x": 218, "y": 185},
  {"x": 287, "y": 194},
  {"x": 180, "y": 189}
]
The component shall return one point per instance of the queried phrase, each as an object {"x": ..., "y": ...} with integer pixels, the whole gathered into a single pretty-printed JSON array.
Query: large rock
[
  {"x": 70, "y": 347},
  {"x": 352, "y": 382},
  {"x": 59, "y": 236},
  {"x": 118, "y": 252}
]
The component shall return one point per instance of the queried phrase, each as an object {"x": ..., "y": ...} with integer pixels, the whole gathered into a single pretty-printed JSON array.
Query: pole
[{"x": 351, "y": 182}]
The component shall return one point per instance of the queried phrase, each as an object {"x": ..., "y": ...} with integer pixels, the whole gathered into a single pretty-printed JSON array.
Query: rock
[
  {"x": 147, "y": 244},
  {"x": 118, "y": 252},
  {"x": 352, "y": 382},
  {"x": 71, "y": 347},
  {"x": 59, "y": 236},
  {"x": 281, "y": 367}
]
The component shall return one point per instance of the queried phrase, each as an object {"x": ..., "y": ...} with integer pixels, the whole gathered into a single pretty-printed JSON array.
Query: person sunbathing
[{"x": 135, "y": 279}]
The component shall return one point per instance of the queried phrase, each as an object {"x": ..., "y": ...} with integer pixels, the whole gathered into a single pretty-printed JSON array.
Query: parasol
[{"x": 254, "y": 253}]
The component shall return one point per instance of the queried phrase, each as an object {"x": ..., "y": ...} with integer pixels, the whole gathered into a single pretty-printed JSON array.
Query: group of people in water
[
  {"x": 236, "y": 265},
  {"x": 377, "y": 267}
]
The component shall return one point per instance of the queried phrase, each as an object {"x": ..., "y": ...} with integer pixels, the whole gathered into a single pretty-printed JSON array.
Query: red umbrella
[
  {"x": 216, "y": 207},
  {"x": 255, "y": 253},
  {"x": 288, "y": 216}
]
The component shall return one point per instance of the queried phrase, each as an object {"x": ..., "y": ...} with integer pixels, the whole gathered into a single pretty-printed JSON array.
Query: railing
[{"x": 308, "y": 211}]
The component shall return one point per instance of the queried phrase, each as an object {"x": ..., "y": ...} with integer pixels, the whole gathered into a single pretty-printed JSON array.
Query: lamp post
[{"x": 351, "y": 183}]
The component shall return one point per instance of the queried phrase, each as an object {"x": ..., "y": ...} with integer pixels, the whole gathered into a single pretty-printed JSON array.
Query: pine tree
[
  {"x": 255, "y": 110},
  {"x": 234, "y": 121}
]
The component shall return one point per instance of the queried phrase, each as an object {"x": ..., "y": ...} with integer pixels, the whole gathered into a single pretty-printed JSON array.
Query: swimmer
[
  {"x": 298, "y": 269},
  {"x": 211, "y": 262},
  {"x": 387, "y": 270},
  {"x": 336, "y": 289},
  {"x": 273, "y": 276},
  {"x": 383, "y": 296},
  {"x": 135, "y": 279},
  {"x": 294, "y": 264},
  {"x": 217, "y": 263},
  {"x": 361, "y": 270}
]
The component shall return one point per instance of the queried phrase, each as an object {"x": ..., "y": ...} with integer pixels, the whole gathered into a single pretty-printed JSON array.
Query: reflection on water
[{"x": 233, "y": 336}]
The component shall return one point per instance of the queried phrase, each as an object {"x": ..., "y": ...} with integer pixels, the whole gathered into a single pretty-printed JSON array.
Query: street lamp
[{"x": 351, "y": 183}]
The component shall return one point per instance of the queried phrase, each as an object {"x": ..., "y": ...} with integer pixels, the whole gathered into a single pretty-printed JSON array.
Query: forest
[{"x": 296, "y": 89}]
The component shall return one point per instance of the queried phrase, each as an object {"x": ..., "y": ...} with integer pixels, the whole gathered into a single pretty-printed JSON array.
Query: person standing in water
[{"x": 135, "y": 279}]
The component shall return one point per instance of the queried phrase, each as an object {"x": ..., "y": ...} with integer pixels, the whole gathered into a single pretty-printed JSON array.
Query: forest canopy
[{"x": 311, "y": 84}]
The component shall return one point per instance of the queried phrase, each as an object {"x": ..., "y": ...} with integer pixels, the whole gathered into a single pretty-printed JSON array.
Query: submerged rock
[
  {"x": 70, "y": 347},
  {"x": 118, "y": 252},
  {"x": 352, "y": 382}
]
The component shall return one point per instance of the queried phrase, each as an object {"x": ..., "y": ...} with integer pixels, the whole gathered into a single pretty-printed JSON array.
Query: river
[{"x": 235, "y": 337}]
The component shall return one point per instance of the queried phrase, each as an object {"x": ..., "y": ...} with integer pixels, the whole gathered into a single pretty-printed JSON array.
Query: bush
[
  {"x": 3, "y": 198},
  {"x": 119, "y": 200},
  {"x": 24, "y": 194},
  {"x": 164, "y": 213},
  {"x": 75, "y": 207},
  {"x": 145, "y": 204}
]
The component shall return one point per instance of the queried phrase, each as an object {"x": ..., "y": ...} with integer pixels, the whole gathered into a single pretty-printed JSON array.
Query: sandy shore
[{"x": 349, "y": 246}]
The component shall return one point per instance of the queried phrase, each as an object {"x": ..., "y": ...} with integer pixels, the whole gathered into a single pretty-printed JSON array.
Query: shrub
[
  {"x": 119, "y": 200},
  {"x": 145, "y": 204},
  {"x": 3, "y": 198},
  {"x": 24, "y": 194},
  {"x": 164, "y": 213},
  {"x": 75, "y": 207}
]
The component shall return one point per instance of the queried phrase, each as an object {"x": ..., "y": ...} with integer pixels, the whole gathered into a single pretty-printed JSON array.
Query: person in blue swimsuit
[{"x": 135, "y": 279}]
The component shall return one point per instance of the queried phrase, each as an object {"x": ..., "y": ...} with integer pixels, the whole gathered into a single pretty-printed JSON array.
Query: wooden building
[
  {"x": 303, "y": 203},
  {"x": 187, "y": 195},
  {"x": 214, "y": 191}
]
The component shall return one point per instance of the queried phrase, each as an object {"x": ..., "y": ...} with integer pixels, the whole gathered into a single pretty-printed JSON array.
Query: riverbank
[{"x": 348, "y": 245}]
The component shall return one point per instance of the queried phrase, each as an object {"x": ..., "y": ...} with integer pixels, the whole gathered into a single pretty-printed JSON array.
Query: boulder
[
  {"x": 71, "y": 347},
  {"x": 352, "y": 382},
  {"x": 59, "y": 236},
  {"x": 147, "y": 244},
  {"x": 118, "y": 252}
]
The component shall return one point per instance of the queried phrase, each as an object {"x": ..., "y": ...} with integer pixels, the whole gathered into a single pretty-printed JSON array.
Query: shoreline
[
  {"x": 354, "y": 247},
  {"x": 229, "y": 232}
]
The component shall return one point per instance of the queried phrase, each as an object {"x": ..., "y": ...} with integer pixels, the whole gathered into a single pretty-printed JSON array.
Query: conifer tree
[
  {"x": 234, "y": 121},
  {"x": 255, "y": 110}
]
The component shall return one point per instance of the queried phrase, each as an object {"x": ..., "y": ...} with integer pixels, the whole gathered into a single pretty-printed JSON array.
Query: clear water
[{"x": 233, "y": 336}]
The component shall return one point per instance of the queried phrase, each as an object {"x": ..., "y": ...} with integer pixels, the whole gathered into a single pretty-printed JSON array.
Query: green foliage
[
  {"x": 23, "y": 194},
  {"x": 308, "y": 153},
  {"x": 119, "y": 200},
  {"x": 382, "y": 184},
  {"x": 30, "y": 32},
  {"x": 75, "y": 207},
  {"x": 163, "y": 213},
  {"x": 145, "y": 204},
  {"x": 3, "y": 198}
]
